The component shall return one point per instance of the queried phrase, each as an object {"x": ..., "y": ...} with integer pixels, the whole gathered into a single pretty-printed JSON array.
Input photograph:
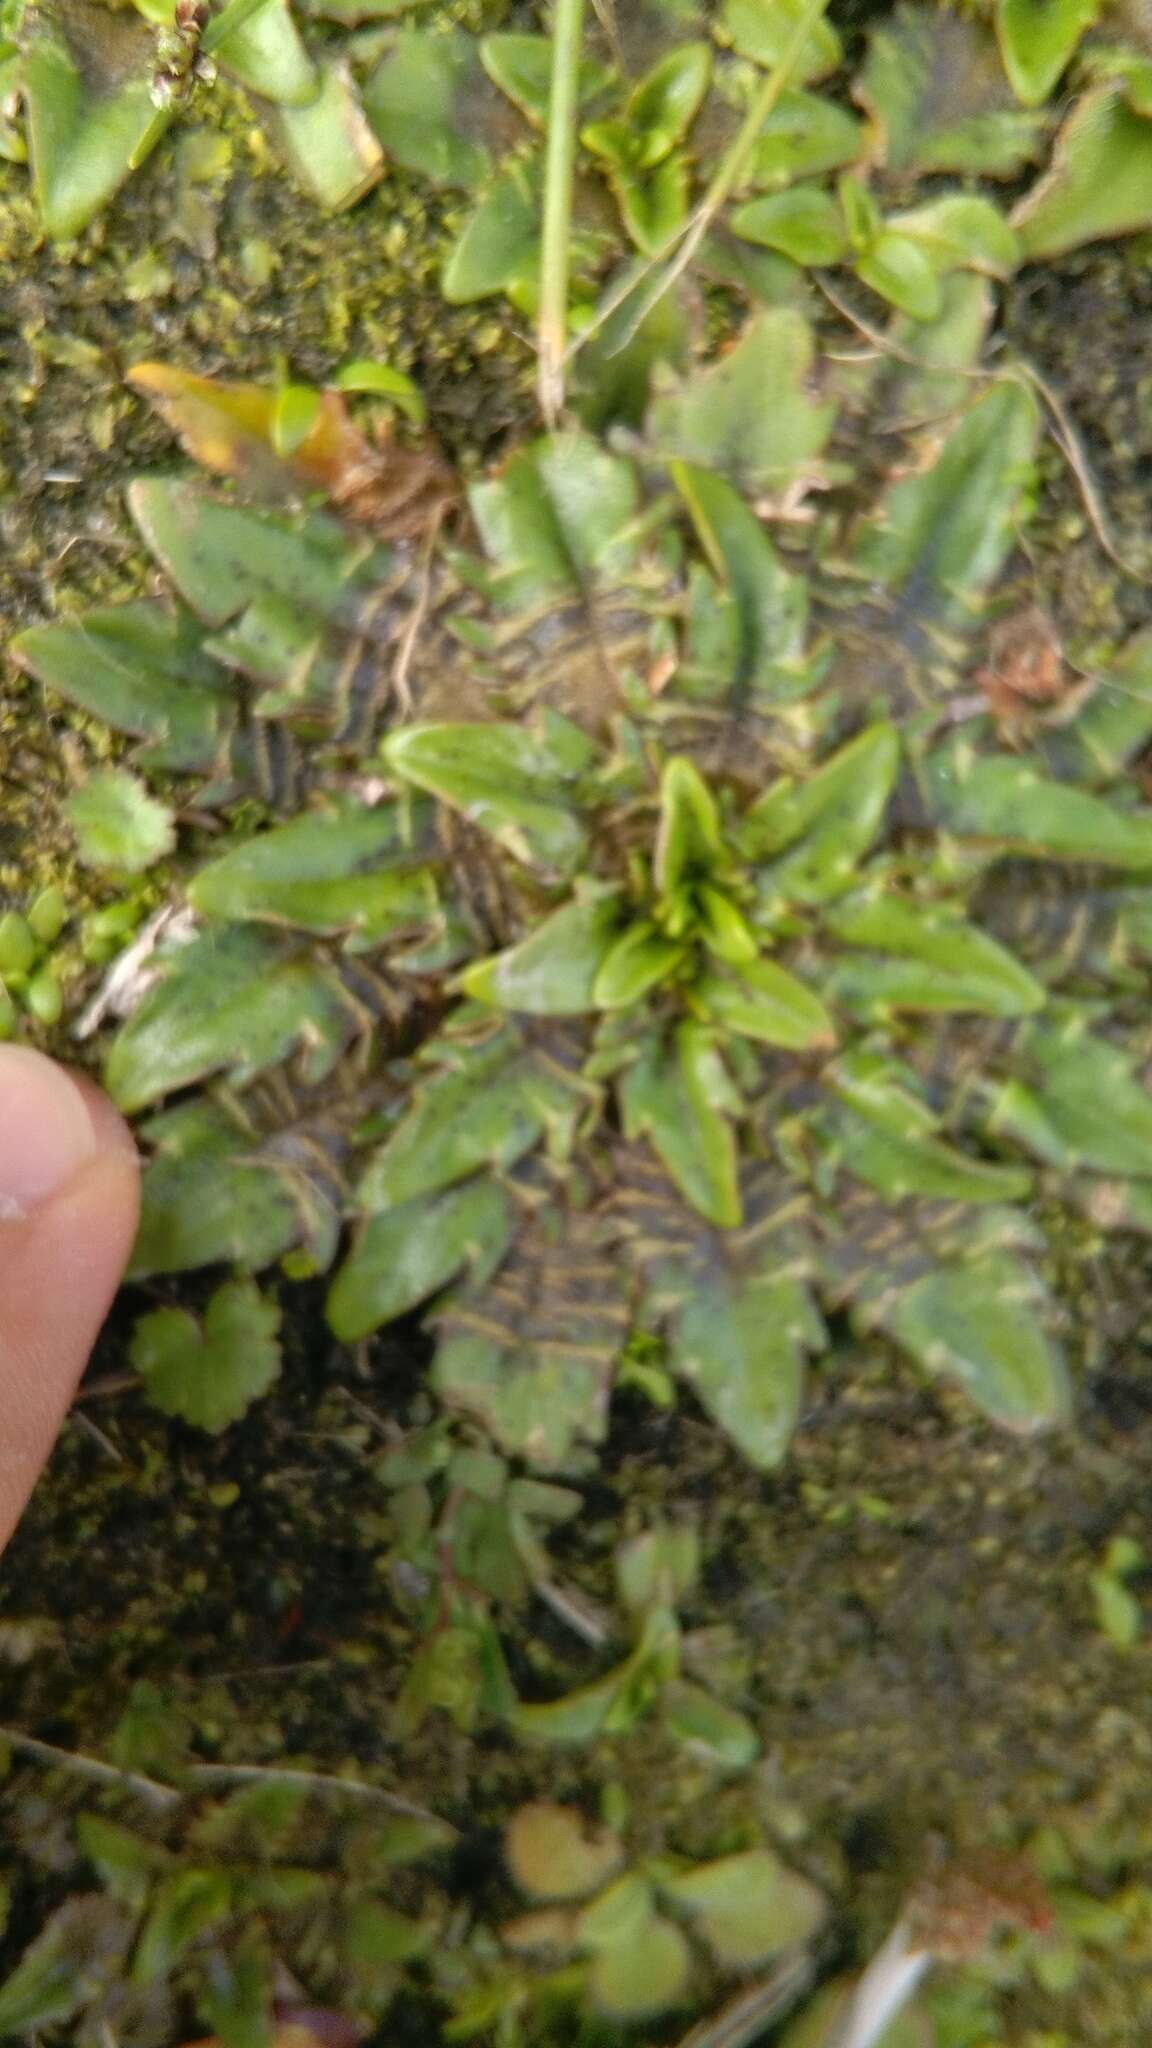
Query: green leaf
[
  {"x": 328, "y": 144},
  {"x": 663, "y": 106},
  {"x": 820, "y": 828},
  {"x": 716, "y": 417},
  {"x": 295, "y": 411},
  {"x": 897, "y": 268},
  {"x": 922, "y": 1165},
  {"x": 763, "y": 30},
  {"x": 222, "y": 556},
  {"x": 126, "y": 1863},
  {"x": 804, "y": 135},
  {"x": 980, "y": 1324},
  {"x": 71, "y": 1964},
  {"x": 1002, "y": 797},
  {"x": 740, "y": 1344},
  {"x": 459, "y": 1670},
  {"x": 658, "y": 1568},
  {"x": 233, "y": 1001},
  {"x": 48, "y": 914},
  {"x": 771, "y": 603},
  {"x": 419, "y": 101},
  {"x": 89, "y": 119},
  {"x": 18, "y": 947},
  {"x": 1075, "y": 1102},
  {"x": 688, "y": 843},
  {"x": 344, "y": 869},
  {"x": 941, "y": 962},
  {"x": 117, "y": 824},
  {"x": 638, "y": 962},
  {"x": 676, "y": 1094},
  {"x": 748, "y": 1907},
  {"x": 863, "y": 220},
  {"x": 804, "y": 223},
  {"x": 382, "y": 381},
  {"x": 374, "y": 1937},
  {"x": 210, "y": 1197},
  {"x": 558, "y": 519},
  {"x": 1114, "y": 725},
  {"x": 1099, "y": 184},
  {"x": 499, "y": 245},
  {"x": 1118, "y": 1612},
  {"x": 553, "y": 972},
  {"x": 765, "y": 1002},
  {"x": 654, "y": 204},
  {"x": 234, "y": 1996},
  {"x": 712, "y": 1733},
  {"x": 724, "y": 929},
  {"x": 612, "y": 375},
  {"x": 265, "y": 52},
  {"x": 960, "y": 231},
  {"x": 503, "y": 780},
  {"x": 522, "y": 68},
  {"x": 528, "y": 1350},
  {"x": 1129, "y": 67},
  {"x": 940, "y": 537},
  {"x": 1038, "y": 39},
  {"x": 553, "y": 1852},
  {"x": 647, "y": 1972},
  {"x": 929, "y": 379},
  {"x": 210, "y": 1373},
  {"x": 612, "y": 1704},
  {"x": 934, "y": 87},
  {"x": 138, "y": 668},
  {"x": 183, "y": 1907},
  {"x": 488, "y": 1106},
  {"x": 411, "y": 1251}
]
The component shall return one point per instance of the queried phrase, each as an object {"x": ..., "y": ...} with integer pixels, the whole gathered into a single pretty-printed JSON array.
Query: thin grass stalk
[
  {"x": 559, "y": 173},
  {"x": 682, "y": 244}
]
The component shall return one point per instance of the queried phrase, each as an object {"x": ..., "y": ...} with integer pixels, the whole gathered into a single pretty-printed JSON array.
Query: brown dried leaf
[{"x": 228, "y": 428}]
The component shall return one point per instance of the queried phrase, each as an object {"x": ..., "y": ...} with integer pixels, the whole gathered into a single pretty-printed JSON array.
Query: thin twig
[
  {"x": 110, "y": 1383},
  {"x": 577, "y": 1612},
  {"x": 148, "y": 1789},
  {"x": 559, "y": 177},
  {"x": 747, "y": 2015},
  {"x": 89, "y": 1428},
  {"x": 1061, "y": 425},
  {"x": 1069, "y": 443},
  {"x": 686, "y": 239},
  {"x": 306, "y": 1781},
  {"x": 416, "y": 617}
]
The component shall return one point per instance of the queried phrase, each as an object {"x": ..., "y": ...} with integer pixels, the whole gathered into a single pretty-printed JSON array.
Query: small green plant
[
  {"x": 118, "y": 826},
  {"x": 210, "y": 1373},
  {"x": 644, "y": 1929},
  {"x": 28, "y": 980},
  {"x": 99, "y": 89},
  {"x": 1118, "y": 1610},
  {"x": 48, "y": 956},
  {"x": 746, "y": 1017},
  {"x": 199, "y": 1899}
]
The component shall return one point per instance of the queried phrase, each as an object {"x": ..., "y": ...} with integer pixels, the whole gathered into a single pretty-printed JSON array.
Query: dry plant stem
[
  {"x": 559, "y": 172},
  {"x": 725, "y": 179},
  {"x": 745, "y": 2017},
  {"x": 148, "y": 1789},
  {"x": 305, "y": 1781},
  {"x": 163, "y": 1796},
  {"x": 888, "y": 1983},
  {"x": 1061, "y": 425}
]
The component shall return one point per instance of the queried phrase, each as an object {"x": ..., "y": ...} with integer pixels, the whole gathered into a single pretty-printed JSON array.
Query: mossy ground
[{"x": 912, "y": 1625}]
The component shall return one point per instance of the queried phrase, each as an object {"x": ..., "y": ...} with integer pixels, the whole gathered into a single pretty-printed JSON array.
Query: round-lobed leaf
[{"x": 554, "y": 1852}]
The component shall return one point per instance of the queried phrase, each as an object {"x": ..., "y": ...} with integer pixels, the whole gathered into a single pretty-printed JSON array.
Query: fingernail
[{"x": 46, "y": 1133}]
